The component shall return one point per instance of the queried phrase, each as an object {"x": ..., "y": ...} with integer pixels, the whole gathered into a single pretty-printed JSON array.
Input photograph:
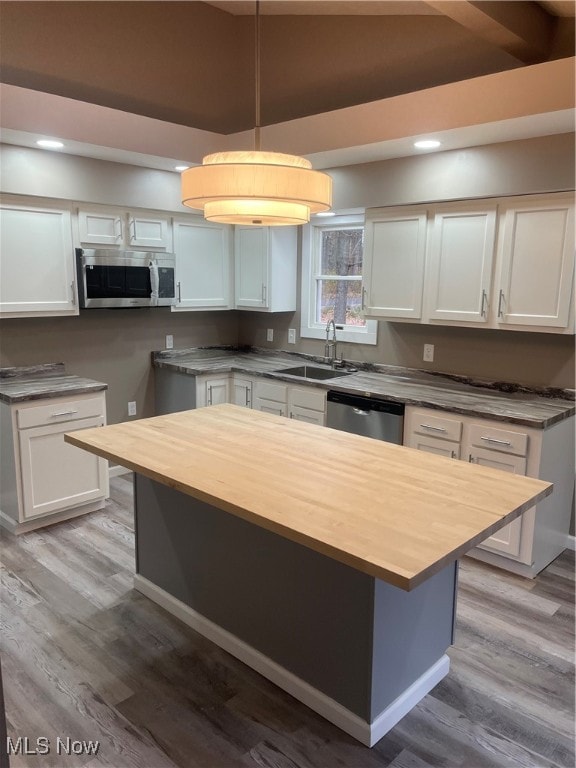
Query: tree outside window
[{"x": 339, "y": 276}]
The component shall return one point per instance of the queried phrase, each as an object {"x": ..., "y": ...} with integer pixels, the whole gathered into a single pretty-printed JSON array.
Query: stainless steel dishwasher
[{"x": 368, "y": 416}]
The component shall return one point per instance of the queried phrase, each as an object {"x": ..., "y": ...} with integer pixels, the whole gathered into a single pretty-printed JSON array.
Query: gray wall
[
  {"x": 539, "y": 359},
  {"x": 512, "y": 168},
  {"x": 113, "y": 346}
]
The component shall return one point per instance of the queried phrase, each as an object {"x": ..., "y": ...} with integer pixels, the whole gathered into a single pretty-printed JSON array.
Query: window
[{"x": 332, "y": 281}]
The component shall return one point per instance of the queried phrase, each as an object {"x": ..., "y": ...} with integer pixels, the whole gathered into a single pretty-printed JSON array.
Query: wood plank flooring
[{"x": 86, "y": 657}]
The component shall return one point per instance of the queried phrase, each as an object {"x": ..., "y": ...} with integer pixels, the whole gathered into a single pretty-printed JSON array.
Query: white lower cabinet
[
  {"x": 212, "y": 390},
  {"x": 301, "y": 403},
  {"x": 45, "y": 479},
  {"x": 241, "y": 391},
  {"x": 529, "y": 543},
  {"x": 307, "y": 404},
  {"x": 270, "y": 397}
]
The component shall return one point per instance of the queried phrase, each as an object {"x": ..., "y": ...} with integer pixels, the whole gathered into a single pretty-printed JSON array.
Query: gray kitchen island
[{"x": 339, "y": 585}]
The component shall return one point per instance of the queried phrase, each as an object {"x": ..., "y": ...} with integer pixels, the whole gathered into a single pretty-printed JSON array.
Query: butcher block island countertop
[{"x": 388, "y": 511}]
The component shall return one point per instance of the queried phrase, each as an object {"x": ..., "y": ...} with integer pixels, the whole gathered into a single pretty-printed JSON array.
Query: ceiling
[{"x": 192, "y": 64}]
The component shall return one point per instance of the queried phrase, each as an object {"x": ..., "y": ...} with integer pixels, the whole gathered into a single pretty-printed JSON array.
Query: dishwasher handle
[
  {"x": 360, "y": 412},
  {"x": 364, "y": 403}
]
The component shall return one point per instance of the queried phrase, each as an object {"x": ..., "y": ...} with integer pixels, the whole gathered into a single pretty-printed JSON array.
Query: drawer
[
  {"x": 308, "y": 397},
  {"x": 59, "y": 410},
  {"x": 495, "y": 439},
  {"x": 437, "y": 426},
  {"x": 270, "y": 391}
]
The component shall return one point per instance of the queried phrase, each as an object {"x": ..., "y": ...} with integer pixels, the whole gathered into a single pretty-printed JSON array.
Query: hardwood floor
[{"x": 85, "y": 657}]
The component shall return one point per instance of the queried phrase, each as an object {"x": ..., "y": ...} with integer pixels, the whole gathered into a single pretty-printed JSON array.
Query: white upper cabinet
[
  {"x": 394, "y": 252},
  {"x": 37, "y": 272},
  {"x": 536, "y": 262},
  {"x": 146, "y": 232},
  {"x": 116, "y": 228},
  {"x": 500, "y": 263},
  {"x": 203, "y": 265},
  {"x": 461, "y": 254},
  {"x": 266, "y": 262}
]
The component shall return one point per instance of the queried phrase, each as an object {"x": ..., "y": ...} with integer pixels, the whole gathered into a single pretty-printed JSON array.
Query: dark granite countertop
[
  {"x": 21, "y": 384},
  {"x": 501, "y": 401}
]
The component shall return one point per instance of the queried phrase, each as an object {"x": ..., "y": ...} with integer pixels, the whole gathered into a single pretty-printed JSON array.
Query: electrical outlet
[
  {"x": 169, "y": 341},
  {"x": 291, "y": 335},
  {"x": 270, "y": 334},
  {"x": 132, "y": 408},
  {"x": 428, "y": 353}
]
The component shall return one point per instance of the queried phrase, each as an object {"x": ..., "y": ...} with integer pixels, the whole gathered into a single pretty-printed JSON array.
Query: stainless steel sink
[{"x": 312, "y": 372}]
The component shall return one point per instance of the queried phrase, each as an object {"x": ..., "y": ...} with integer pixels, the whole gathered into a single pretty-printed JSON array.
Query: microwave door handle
[{"x": 154, "y": 283}]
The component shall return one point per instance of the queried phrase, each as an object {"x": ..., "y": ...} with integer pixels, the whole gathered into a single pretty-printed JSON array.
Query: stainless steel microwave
[{"x": 108, "y": 279}]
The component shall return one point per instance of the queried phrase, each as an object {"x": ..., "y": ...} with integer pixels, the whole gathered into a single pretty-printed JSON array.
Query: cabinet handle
[
  {"x": 132, "y": 227},
  {"x": 247, "y": 399},
  {"x": 453, "y": 455},
  {"x": 435, "y": 429},
  {"x": 470, "y": 458},
  {"x": 484, "y": 303},
  {"x": 291, "y": 415},
  {"x": 363, "y": 299},
  {"x": 63, "y": 413},
  {"x": 263, "y": 294},
  {"x": 73, "y": 294},
  {"x": 179, "y": 293},
  {"x": 500, "y": 300},
  {"x": 209, "y": 395},
  {"x": 118, "y": 225},
  {"x": 494, "y": 440}
]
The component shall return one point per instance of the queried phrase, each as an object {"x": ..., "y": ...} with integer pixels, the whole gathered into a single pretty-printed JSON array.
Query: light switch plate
[
  {"x": 270, "y": 334},
  {"x": 132, "y": 408},
  {"x": 429, "y": 353},
  {"x": 169, "y": 341},
  {"x": 291, "y": 335}
]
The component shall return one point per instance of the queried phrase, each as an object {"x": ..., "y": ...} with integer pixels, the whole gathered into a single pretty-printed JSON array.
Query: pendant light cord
[{"x": 257, "y": 77}]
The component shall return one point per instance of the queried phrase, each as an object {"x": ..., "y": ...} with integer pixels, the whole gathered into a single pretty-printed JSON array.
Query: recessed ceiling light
[
  {"x": 50, "y": 144},
  {"x": 326, "y": 213},
  {"x": 181, "y": 167},
  {"x": 427, "y": 144}
]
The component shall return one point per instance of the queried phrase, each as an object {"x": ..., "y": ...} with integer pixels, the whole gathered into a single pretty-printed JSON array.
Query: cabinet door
[
  {"x": 507, "y": 539},
  {"x": 212, "y": 391},
  {"x": 56, "y": 475},
  {"x": 270, "y": 406},
  {"x": 147, "y": 232},
  {"x": 394, "y": 265},
  {"x": 37, "y": 273},
  {"x": 434, "y": 445},
  {"x": 537, "y": 263},
  {"x": 242, "y": 392},
  {"x": 307, "y": 414},
  {"x": 460, "y": 264},
  {"x": 101, "y": 228},
  {"x": 251, "y": 258},
  {"x": 203, "y": 265}
]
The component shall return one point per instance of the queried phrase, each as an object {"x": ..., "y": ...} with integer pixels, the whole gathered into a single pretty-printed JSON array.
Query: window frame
[{"x": 311, "y": 243}]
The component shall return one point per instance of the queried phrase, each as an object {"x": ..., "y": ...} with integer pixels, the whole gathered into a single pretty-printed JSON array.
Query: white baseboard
[
  {"x": 49, "y": 519},
  {"x": 571, "y": 542},
  {"x": 116, "y": 470},
  {"x": 365, "y": 732}
]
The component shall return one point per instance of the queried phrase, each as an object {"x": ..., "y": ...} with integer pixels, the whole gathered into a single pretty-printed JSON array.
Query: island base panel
[{"x": 357, "y": 650}]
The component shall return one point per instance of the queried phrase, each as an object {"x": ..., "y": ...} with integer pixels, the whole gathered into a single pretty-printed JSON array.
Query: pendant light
[{"x": 255, "y": 187}]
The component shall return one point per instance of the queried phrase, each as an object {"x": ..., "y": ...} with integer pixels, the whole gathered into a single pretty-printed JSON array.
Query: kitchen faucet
[{"x": 330, "y": 348}]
